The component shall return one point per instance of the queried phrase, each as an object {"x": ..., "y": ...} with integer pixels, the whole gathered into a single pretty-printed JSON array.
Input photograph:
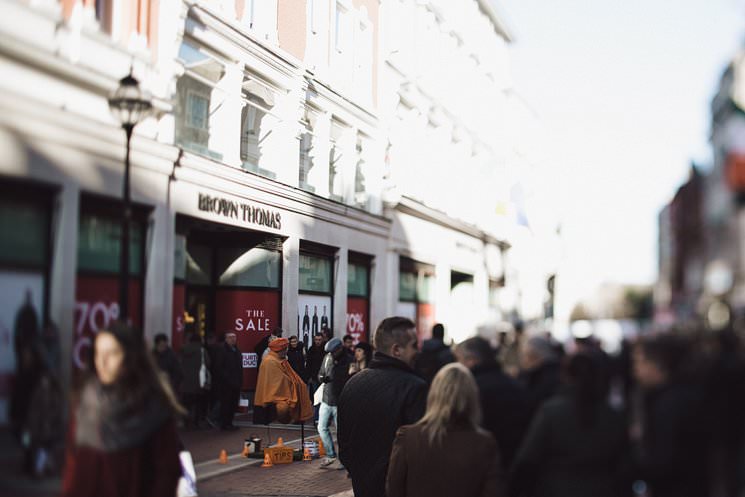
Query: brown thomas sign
[{"x": 240, "y": 211}]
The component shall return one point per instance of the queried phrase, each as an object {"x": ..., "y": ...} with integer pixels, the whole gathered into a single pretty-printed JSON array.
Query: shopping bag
[
  {"x": 205, "y": 378},
  {"x": 187, "y": 484}
]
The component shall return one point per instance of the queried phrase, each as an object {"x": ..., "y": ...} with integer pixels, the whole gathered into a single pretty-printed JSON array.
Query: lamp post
[{"x": 129, "y": 105}]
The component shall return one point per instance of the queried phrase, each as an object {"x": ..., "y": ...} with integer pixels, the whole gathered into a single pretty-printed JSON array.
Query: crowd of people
[{"x": 524, "y": 416}]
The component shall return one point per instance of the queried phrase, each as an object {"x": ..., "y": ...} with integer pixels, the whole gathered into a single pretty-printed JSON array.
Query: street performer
[{"x": 280, "y": 386}]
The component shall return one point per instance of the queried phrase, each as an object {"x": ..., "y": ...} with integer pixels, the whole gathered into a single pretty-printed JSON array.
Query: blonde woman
[{"x": 446, "y": 453}]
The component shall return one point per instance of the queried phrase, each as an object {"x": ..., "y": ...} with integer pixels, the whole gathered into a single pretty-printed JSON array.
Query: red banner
[
  {"x": 357, "y": 319},
  {"x": 96, "y": 306},
  {"x": 177, "y": 322},
  {"x": 251, "y": 315},
  {"x": 425, "y": 320}
]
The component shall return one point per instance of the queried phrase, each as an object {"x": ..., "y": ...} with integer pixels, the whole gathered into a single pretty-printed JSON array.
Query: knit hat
[
  {"x": 279, "y": 344},
  {"x": 332, "y": 345}
]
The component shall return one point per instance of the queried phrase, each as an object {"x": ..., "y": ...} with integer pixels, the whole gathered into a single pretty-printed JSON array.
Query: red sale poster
[
  {"x": 251, "y": 315},
  {"x": 357, "y": 319},
  {"x": 425, "y": 319},
  {"x": 96, "y": 306},
  {"x": 177, "y": 320}
]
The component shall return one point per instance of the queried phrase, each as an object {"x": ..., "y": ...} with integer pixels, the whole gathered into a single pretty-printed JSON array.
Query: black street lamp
[{"x": 129, "y": 105}]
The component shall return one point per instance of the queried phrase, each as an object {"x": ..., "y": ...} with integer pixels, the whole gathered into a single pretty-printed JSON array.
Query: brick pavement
[{"x": 299, "y": 479}]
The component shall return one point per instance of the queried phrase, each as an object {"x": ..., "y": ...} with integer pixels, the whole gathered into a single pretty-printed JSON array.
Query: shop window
[
  {"x": 358, "y": 300},
  {"x": 315, "y": 310},
  {"x": 253, "y": 268},
  {"x": 25, "y": 233},
  {"x": 99, "y": 244},
  {"x": 416, "y": 294},
  {"x": 256, "y": 124}
]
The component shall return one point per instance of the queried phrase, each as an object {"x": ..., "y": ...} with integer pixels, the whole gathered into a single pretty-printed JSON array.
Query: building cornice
[
  {"x": 407, "y": 205},
  {"x": 496, "y": 19}
]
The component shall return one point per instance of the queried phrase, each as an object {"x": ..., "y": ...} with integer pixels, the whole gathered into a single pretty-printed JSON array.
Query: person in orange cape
[{"x": 280, "y": 385}]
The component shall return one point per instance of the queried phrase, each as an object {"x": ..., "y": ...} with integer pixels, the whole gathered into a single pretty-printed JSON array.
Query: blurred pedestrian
[
  {"x": 672, "y": 438},
  {"x": 279, "y": 389},
  {"x": 540, "y": 373},
  {"x": 333, "y": 375},
  {"x": 576, "y": 444},
  {"x": 511, "y": 351},
  {"x": 122, "y": 438},
  {"x": 504, "y": 401},
  {"x": 461, "y": 458},
  {"x": 349, "y": 346},
  {"x": 296, "y": 356},
  {"x": 193, "y": 393},
  {"x": 228, "y": 379},
  {"x": 376, "y": 402},
  {"x": 167, "y": 361},
  {"x": 434, "y": 355},
  {"x": 313, "y": 362},
  {"x": 362, "y": 357}
]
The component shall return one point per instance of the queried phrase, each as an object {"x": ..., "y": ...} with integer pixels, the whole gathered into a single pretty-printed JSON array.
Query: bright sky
[{"x": 622, "y": 88}]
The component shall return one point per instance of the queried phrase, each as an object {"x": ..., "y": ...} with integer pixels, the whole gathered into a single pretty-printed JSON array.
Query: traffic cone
[
  {"x": 280, "y": 442},
  {"x": 223, "y": 457},
  {"x": 245, "y": 451},
  {"x": 321, "y": 449},
  {"x": 267, "y": 461},
  {"x": 306, "y": 455}
]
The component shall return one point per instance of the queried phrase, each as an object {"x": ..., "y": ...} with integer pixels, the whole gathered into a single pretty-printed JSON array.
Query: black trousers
[{"x": 228, "y": 403}]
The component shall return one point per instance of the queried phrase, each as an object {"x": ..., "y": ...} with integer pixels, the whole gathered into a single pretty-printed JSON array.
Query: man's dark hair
[
  {"x": 277, "y": 332},
  {"x": 392, "y": 330},
  {"x": 347, "y": 337},
  {"x": 669, "y": 352},
  {"x": 160, "y": 337},
  {"x": 438, "y": 331},
  {"x": 478, "y": 348}
]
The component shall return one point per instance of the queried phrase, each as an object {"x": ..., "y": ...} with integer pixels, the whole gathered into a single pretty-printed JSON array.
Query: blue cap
[{"x": 332, "y": 345}]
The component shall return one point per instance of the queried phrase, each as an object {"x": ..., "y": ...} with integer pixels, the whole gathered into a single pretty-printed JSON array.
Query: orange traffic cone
[
  {"x": 306, "y": 455},
  {"x": 223, "y": 457},
  {"x": 245, "y": 451},
  {"x": 280, "y": 442},
  {"x": 267, "y": 461}
]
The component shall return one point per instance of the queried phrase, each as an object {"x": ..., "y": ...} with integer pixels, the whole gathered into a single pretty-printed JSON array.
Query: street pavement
[{"x": 245, "y": 476}]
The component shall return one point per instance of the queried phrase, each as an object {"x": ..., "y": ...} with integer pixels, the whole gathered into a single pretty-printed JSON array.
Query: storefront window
[
  {"x": 407, "y": 286},
  {"x": 358, "y": 303},
  {"x": 255, "y": 268},
  {"x": 25, "y": 232},
  {"x": 357, "y": 277},
  {"x": 315, "y": 274},
  {"x": 99, "y": 244}
]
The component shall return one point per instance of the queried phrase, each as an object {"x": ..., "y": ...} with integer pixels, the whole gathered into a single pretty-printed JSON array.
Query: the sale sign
[
  {"x": 357, "y": 319},
  {"x": 96, "y": 307},
  {"x": 251, "y": 315}
]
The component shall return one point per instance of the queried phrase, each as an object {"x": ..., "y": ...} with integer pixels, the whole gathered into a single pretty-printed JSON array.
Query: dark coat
[
  {"x": 314, "y": 359},
  {"x": 374, "y": 404},
  {"x": 168, "y": 362},
  {"x": 191, "y": 363},
  {"x": 562, "y": 457},
  {"x": 672, "y": 458},
  {"x": 541, "y": 384},
  {"x": 433, "y": 356},
  {"x": 228, "y": 368},
  {"x": 504, "y": 406},
  {"x": 466, "y": 465},
  {"x": 296, "y": 357},
  {"x": 149, "y": 470}
]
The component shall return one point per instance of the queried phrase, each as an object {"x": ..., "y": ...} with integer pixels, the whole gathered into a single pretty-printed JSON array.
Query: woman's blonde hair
[{"x": 453, "y": 402}]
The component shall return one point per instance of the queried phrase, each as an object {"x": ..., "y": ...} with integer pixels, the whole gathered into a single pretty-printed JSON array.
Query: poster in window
[
  {"x": 313, "y": 314},
  {"x": 96, "y": 307},
  {"x": 16, "y": 288},
  {"x": 425, "y": 320},
  {"x": 357, "y": 319},
  {"x": 251, "y": 315}
]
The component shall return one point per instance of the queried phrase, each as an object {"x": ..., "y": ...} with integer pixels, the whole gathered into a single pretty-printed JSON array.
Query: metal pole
[{"x": 124, "y": 252}]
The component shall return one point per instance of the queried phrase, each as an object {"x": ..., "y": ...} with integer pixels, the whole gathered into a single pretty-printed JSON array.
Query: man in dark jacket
[
  {"x": 167, "y": 361},
  {"x": 229, "y": 373},
  {"x": 377, "y": 401},
  {"x": 313, "y": 361},
  {"x": 540, "y": 372},
  {"x": 296, "y": 357},
  {"x": 434, "y": 355},
  {"x": 504, "y": 403}
]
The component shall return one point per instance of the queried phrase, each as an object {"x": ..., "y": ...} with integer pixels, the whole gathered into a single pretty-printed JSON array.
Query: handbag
[
  {"x": 205, "y": 378},
  {"x": 187, "y": 484}
]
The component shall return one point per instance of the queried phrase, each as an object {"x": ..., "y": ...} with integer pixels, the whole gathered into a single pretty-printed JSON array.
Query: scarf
[{"x": 107, "y": 422}]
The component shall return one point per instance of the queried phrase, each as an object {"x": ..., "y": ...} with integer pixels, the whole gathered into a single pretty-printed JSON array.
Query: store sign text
[{"x": 237, "y": 210}]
